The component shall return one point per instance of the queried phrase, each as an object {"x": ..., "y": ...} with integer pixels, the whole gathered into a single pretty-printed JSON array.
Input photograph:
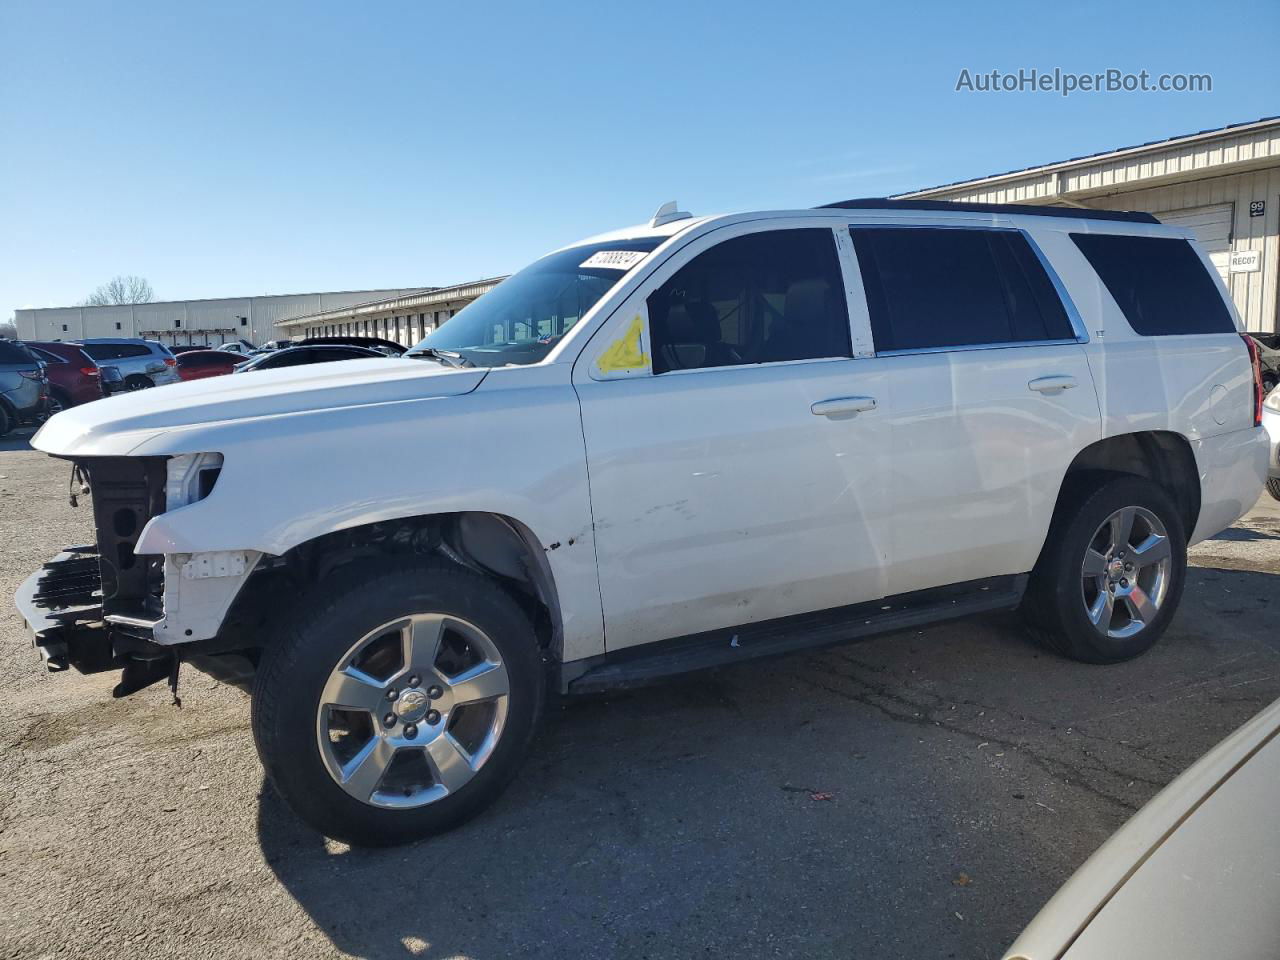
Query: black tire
[
  {"x": 7, "y": 422},
  {"x": 58, "y": 401},
  {"x": 137, "y": 381},
  {"x": 1273, "y": 487},
  {"x": 297, "y": 662},
  {"x": 1054, "y": 606}
]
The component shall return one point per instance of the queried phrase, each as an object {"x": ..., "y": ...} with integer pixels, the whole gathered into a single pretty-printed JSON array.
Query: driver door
[{"x": 738, "y": 474}]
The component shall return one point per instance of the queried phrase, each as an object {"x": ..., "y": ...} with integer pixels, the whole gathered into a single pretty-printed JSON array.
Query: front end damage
[{"x": 103, "y": 606}]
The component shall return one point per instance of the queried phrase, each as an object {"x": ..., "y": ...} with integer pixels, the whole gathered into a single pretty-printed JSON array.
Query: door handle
[
  {"x": 843, "y": 407},
  {"x": 1051, "y": 384}
]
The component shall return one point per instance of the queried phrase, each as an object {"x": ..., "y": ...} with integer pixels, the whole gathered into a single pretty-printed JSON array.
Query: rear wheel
[
  {"x": 1273, "y": 487},
  {"x": 138, "y": 382},
  {"x": 1111, "y": 573},
  {"x": 57, "y": 402},
  {"x": 400, "y": 703},
  {"x": 6, "y": 421}
]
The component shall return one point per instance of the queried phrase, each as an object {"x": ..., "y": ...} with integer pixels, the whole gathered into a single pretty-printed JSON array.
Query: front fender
[{"x": 514, "y": 449}]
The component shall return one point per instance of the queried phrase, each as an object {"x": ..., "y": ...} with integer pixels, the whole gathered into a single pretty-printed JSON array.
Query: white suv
[{"x": 674, "y": 446}]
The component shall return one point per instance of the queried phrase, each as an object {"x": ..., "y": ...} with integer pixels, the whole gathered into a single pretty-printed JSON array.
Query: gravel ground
[{"x": 918, "y": 795}]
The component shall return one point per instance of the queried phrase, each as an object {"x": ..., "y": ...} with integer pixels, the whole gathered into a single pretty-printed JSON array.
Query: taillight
[
  {"x": 1255, "y": 358},
  {"x": 89, "y": 371},
  {"x": 170, "y": 362}
]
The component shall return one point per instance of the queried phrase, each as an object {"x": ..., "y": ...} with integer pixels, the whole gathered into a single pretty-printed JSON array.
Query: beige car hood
[{"x": 1194, "y": 874}]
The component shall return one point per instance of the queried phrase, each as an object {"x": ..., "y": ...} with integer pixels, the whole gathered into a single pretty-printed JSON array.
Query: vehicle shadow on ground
[{"x": 921, "y": 794}]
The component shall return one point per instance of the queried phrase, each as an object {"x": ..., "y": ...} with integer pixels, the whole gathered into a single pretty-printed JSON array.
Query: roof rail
[{"x": 1074, "y": 213}]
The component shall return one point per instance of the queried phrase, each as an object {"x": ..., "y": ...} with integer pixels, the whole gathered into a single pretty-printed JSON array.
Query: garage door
[{"x": 1212, "y": 227}]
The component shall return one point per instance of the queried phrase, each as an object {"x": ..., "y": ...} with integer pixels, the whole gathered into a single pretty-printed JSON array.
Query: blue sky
[{"x": 247, "y": 148}]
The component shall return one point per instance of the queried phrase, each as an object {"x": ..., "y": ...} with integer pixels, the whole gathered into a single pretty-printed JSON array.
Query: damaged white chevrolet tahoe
[{"x": 680, "y": 445}]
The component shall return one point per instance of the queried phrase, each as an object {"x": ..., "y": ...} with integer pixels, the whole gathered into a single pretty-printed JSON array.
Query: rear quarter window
[
  {"x": 1160, "y": 284},
  {"x": 15, "y": 353}
]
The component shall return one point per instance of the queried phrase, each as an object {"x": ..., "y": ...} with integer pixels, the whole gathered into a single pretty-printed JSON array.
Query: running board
[{"x": 648, "y": 663}]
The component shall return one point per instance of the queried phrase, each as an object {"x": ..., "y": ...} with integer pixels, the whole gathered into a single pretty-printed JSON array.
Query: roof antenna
[{"x": 668, "y": 212}]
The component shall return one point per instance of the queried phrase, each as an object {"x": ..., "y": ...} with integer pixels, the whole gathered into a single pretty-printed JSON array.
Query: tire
[
  {"x": 1269, "y": 382},
  {"x": 1273, "y": 487},
  {"x": 7, "y": 421},
  {"x": 137, "y": 381},
  {"x": 299, "y": 668},
  {"x": 1062, "y": 598},
  {"x": 58, "y": 401}
]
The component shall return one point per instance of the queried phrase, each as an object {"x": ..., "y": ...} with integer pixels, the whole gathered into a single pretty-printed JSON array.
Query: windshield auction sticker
[{"x": 613, "y": 259}]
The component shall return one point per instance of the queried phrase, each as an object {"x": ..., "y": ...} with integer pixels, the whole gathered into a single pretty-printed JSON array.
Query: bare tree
[
  {"x": 8, "y": 329},
  {"x": 129, "y": 289}
]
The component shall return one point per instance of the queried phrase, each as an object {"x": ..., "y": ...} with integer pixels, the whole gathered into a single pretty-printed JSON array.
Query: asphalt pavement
[{"x": 919, "y": 795}]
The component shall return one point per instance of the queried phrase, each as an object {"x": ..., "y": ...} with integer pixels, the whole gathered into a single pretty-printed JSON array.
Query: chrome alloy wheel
[
  {"x": 412, "y": 711},
  {"x": 1125, "y": 573}
]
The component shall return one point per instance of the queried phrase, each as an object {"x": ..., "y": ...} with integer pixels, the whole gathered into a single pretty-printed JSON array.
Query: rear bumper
[{"x": 1233, "y": 468}]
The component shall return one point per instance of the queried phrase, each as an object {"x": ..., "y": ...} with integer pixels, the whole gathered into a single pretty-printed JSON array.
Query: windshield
[{"x": 522, "y": 318}]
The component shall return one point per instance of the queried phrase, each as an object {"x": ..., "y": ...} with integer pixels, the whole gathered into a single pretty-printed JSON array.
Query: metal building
[
  {"x": 187, "y": 321},
  {"x": 404, "y": 319},
  {"x": 1223, "y": 184}
]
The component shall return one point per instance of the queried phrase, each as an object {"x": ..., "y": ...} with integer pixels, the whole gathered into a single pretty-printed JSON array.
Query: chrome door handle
[
  {"x": 1052, "y": 384},
  {"x": 843, "y": 407}
]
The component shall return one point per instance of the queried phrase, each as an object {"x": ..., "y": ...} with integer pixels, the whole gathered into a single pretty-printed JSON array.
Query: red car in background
[
  {"x": 198, "y": 364},
  {"x": 73, "y": 376}
]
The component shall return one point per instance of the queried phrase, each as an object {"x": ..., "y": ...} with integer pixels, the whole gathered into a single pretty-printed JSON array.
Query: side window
[
  {"x": 45, "y": 356},
  {"x": 133, "y": 350},
  {"x": 755, "y": 299},
  {"x": 929, "y": 288},
  {"x": 1159, "y": 283},
  {"x": 101, "y": 351}
]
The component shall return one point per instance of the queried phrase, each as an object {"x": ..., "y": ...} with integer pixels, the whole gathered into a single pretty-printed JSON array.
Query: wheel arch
[
  {"x": 1161, "y": 456},
  {"x": 494, "y": 544}
]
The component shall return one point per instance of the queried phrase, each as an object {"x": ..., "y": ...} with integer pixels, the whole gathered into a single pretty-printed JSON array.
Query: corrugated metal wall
[{"x": 184, "y": 321}]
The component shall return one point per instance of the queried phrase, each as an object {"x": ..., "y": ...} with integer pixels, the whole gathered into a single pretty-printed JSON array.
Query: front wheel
[
  {"x": 1273, "y": 487},
  {"x": 399, "y": 703},
  {"x": 1111, "y": 573}
]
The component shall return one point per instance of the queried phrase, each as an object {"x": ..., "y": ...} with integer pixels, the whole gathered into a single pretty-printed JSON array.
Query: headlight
[
  {"x": 190, "y": 478},
  {"x": 1273, "y": 400}
]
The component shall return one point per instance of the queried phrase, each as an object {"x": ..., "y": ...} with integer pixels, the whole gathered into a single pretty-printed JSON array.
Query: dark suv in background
[
  {"x": 73, "y": 376},
  {"x": 24, "y": 392}
]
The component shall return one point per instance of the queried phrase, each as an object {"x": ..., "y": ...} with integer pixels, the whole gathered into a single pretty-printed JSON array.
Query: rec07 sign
[{"x": 1246, "y": 261}]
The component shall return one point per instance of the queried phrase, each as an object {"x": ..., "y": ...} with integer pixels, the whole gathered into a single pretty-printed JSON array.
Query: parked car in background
[
  {"x": 1271, "y": 420},
  {"x": 179, "y": 348},
  {"x": 1191, "y": 876},
  {"x": 279, "y": 344},
  {"x": 112, "y": 380},
  {"x": 1269, "y": 360},
  {"x": 198, "y": 364},
  {"x": 298, "y": 356},
  {"x": 24, "y": 391},
  {"x": 671, "y": 447},
  {"x": 242, "y": 347},
  {"x": 73, "y": 376},
  {"x": 142, "y": 363},
  {"x": 388, "y": 347}
]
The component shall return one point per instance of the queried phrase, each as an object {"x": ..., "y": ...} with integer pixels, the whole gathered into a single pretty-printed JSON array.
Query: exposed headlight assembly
[{"x": 190, "y": 478}]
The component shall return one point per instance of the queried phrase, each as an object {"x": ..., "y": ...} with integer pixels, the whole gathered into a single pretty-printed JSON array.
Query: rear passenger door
[{"x": 989, "y": 396}]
